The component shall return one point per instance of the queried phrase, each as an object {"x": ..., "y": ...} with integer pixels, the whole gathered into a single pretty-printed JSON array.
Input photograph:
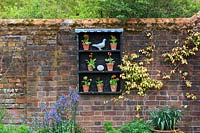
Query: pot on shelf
[
  {"x": 110, "y": 66},
  {"x": 113, "y": 46},
  {"x": 100, "y": 87},
  {"x": 90, "y": 68},
  {"x": 86, "y": 88},
  {"x": 113, "y": 88},
  {"x": 85, "y": 46}
]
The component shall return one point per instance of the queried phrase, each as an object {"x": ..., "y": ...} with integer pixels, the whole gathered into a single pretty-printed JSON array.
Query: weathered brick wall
[{"x": 48, "y": 67}]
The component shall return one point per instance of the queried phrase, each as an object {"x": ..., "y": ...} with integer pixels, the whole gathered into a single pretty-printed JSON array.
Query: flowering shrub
[
  {"x": 109, "y": 59},
  {"x": 113, "y": 80}
]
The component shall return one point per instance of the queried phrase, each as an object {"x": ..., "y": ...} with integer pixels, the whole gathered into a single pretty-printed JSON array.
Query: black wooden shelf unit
[{"x": 96, "y": 36}]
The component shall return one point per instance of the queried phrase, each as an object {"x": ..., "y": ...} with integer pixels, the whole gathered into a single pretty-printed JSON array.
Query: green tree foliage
[
  {"x": 49, "y": 9},
  {"x": 98, "y": 8},
  {"x": 86, "y": 9},
  {"x": 150, "y": 8},
  {"x": 35, "y": 8}
]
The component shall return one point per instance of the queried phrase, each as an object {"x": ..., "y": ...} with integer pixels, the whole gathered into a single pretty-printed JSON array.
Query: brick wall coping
[{"x": 100, "y": 21}]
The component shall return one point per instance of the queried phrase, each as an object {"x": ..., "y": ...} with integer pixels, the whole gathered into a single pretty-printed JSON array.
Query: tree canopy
[{"x": 98, "y": 8}]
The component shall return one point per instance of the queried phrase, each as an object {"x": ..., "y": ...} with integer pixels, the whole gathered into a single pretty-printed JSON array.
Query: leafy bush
[
  {"x": 14, "y": 129},
  {"x": 22, "y": 129},
  {"x": 135, "y": 126},
  {"x": 150, "y": 8},
  {"x": 3, "y": 113},
  {"x": 109, "y": 128}
]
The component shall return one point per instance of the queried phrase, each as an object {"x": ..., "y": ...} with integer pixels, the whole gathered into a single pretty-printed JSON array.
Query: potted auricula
[
  {"x": 99, "y": 84},
  {"x": 91, "y": 62},
  {"x": 109, "y": 62},
  {"x": 113, "y": 83},
  {"x": 113, "y": 42},
  {"x": 86, "y": 82},
  {"x": 85, "y": 42}
]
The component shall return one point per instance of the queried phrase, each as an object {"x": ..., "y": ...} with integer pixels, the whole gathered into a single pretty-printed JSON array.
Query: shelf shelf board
[
  {"x": 100, "y": 93},
  {"x": 100, "y": 30},
  {"x": 99, "y": 72},
  {"x": 98, "y": 51}
]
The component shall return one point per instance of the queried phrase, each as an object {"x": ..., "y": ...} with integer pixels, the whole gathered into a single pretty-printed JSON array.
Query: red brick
[
  {"x": 98, "y": 107},
  {"x": 86, "y": 113},
  {"x": 14, "y": 80},
  {"x": 109, "y": 113},
  {"x": 151, "y": 102},
  {"x": 119, "y": 107},
  {"x": 21, "y": 100}
]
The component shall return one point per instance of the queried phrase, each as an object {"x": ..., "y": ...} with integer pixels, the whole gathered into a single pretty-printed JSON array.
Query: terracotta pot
[
  {"x": 90, "y": 68},
  {"x": 86, "y": 46},
  {"x": 166, "y": 131},
  {"x": 110, "y": 66},
  {"x": 113, "y": 46},
  {"x": 113, "y": 88},
  {"x": 100, "y": 87},
  {"x": 86, "y": 88}
]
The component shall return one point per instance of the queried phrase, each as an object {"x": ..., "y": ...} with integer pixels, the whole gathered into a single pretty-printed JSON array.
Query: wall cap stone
[{"x": 70, "y": 24}]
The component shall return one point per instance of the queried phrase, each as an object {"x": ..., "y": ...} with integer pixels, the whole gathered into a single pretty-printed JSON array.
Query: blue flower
[
  {"x": 53, "y": 114},
  {"x": 43, "y": 106},
  {"x": 75, "y": 97},
  {"x": 65, "y": 104}
]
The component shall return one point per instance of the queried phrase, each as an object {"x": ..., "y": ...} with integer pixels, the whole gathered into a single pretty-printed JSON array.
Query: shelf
[
  {"x": 99, "y": 72},
  {"x": 97, "y": 36},
  {"x": 97, "y": 51},
  {"x": 119, "y": 30},
  {"x": 100, "y": 93}
]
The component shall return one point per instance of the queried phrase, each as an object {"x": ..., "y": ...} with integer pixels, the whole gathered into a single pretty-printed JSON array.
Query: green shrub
[
  {"x": 143, "y": 8},
  {"x": 14, "y": 129},
  {"x": 22, "y": 129},
  {"x": 3, "y": 113},
  {"x": 135, "y": 126},
  {"x": 108, "y": 128}
]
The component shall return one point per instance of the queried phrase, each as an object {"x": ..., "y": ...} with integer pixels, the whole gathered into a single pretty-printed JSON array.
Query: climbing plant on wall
[
  {"x": 179, "y": 55},
  {"x": 135, "y": 72}
]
